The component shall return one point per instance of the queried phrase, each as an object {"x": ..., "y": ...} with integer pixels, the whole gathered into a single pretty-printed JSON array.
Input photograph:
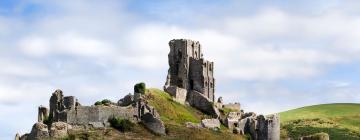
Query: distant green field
[{"x": 341, "y": 121}]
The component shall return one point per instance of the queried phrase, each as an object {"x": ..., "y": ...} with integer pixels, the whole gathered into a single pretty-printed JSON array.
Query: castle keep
[{"x": 190, "y": 77}]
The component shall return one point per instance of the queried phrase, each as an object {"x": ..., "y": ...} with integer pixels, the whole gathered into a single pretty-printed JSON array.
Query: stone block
[
  {"x": 126, "y": 101},
  {"x": 202, "y": 103},
  {"x": 210, "y": 123},
  {"x": 153, "y": 124},
  {"x": 179, "y": 94}
]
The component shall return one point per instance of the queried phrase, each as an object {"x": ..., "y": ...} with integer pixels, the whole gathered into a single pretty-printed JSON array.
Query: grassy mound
[
  {"x": 173, "y": 114},
  {"x": 340, "y": 121}
]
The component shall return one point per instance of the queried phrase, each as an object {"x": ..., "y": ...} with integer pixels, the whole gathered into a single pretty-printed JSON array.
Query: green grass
[
  {"x": 173, "y": 114},
  {"x": 170, "y": 110},
  {"x": 340, "y": 121}
]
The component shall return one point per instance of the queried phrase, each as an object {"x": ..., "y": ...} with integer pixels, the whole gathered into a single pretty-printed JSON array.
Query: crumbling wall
[
  {"x": 84, "y": 114},
  {"x": 274, "y": 127},
  {"x": 232, "y": 106},
  {"x": 43, "y": 113},
  {"x": 179, "y": 94}
]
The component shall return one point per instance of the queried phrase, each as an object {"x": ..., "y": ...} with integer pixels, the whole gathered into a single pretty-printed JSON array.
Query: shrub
[
  {"x": 121, "y": 124},
  {"x": 98, "y": 103},
  {"x": 105, "y": 101},
  {"x": 47, "y": 120},
  {"x": 140, "y": 88}
]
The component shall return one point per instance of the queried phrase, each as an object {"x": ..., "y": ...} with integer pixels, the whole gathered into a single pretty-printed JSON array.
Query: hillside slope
[
  {"x": 173, "y": 114},
  {"x": 341, "y": 121}
]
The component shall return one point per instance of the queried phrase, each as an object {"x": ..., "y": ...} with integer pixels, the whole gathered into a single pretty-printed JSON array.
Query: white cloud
[{"x": 67, "y": 43}]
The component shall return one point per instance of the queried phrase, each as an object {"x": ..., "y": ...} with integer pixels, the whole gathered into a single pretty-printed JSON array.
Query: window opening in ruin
[
  {"x": 180, "y": 83},
  {"x": 206, "y": 84},
  {"x": 210, "y": 67},
  {"x": 211, "y": 85},
  {"x": 191, "y": 84}
]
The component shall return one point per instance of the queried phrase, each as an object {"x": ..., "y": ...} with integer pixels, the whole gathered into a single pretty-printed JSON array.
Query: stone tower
[{"x": 189, "y": 70}]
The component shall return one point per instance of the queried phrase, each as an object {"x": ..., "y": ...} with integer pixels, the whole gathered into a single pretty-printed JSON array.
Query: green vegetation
[
  {"x": 172, "y": 111},
  {"x": 103, "y": 102},
  {"x": 140, "y": 88},
  {"x": 173, "y": 114},
  {"x": 121, "y": 124},
  {"x": 340, "y": 121},
  {"x": 47, "y": 120}
]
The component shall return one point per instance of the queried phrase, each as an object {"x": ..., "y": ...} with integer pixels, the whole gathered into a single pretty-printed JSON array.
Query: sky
[{"x": 269, "y": 55}]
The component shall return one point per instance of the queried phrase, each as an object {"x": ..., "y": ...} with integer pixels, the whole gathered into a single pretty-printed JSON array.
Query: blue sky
[{"x": 270, "y": 56}]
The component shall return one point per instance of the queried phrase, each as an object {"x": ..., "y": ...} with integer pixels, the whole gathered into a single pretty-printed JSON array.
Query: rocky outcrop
[
  {"x": 153, "y": 124},
  {"x": 210, "y": 123},
  {"x": 59, "y": 129},
  {"x": 197, "y": 100},
  {"x": 39, "y": 131}
]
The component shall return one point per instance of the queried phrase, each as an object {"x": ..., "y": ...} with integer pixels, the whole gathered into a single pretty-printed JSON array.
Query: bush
[
  {"x": 47, "y": 120},
  {"x": 98, "y": 103},
  {"x": 103, "y": 102},
  {"x": 121, "y": 124},
  {"x": 140, "y": 88}
]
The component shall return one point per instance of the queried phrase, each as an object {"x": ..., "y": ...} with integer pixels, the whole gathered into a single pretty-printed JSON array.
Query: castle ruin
[
  {"x": 190, "y": 77},
  {"x": 190, "y": 81}
]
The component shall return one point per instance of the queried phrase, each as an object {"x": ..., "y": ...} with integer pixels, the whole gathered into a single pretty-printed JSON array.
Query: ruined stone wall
[
  {"x": 232, "y": 106},
  {"x": 273, "y": 127},
  {"x": 69, "y": 102},
  {"x": 82, "y": 115}
]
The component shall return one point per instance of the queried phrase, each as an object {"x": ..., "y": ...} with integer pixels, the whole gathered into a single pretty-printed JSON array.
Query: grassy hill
[
  {"x": 173, "y": 114},
  {"x": 341, "y": 121}
]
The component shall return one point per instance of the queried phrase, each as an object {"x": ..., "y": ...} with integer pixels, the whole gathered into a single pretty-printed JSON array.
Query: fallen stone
[
  {"x": 39, "y": 131},
  {"x": 193, "y": 125},
  {"x": 199, "y": 101},
  {"x": 59, "y": 129},
  {"x": 317, "y": 136},
  {"x": 210, "y": 123},
  {"x": 126, "y": 101},
  {"x": 97, "y": 124},
  {"x": 155, "y": 125}
]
